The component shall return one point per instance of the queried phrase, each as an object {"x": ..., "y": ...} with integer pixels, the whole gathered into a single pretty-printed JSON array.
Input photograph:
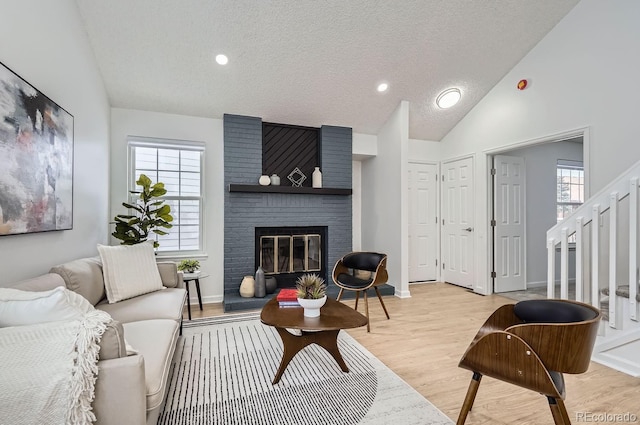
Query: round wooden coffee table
[{"x": 322, "y": 330}]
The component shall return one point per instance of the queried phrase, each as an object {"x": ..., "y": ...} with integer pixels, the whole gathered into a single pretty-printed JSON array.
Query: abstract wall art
[{"x": 36, "y": 159}]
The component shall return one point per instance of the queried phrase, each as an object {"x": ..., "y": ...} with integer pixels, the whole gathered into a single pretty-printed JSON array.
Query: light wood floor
[{"x": 429, "y": 332}]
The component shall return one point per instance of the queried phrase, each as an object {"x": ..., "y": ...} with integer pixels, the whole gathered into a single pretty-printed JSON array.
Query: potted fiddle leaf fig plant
[
  {"x": 150, "y": 214},
  {"x": 312, "y": 293}
]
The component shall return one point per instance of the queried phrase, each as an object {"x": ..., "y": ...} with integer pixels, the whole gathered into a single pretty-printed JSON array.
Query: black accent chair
[
  {"x": 531, "y": 344},
  {"x": 359, "y": 271}
]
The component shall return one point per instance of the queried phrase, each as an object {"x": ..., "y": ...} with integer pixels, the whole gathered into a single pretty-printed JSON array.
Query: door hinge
[
  {"x": 493, "y": 274},
  {"x": 436, "y": 220},
  {"x": 493, "y": 171},
  {"x": 436, "y": 262},
  {"x": 443, "y": 177},
  {"x": 443, "y": 221},
  {"x": 493, "y": 223},
  {"x": 442, "y": 266}
]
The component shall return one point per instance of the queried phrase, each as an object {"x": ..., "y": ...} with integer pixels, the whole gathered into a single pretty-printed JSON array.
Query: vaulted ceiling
[{"x": 312, "y": 62}]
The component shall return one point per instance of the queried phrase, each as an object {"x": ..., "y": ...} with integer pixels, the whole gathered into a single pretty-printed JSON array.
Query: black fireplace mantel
[{"x": 256, "y": 188}]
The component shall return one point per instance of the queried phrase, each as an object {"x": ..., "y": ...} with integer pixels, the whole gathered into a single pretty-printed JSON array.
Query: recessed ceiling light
[
  {"x": 448, "y": 98},
  {"x": 222, "y": 59},
  {"x": 382, "y": 87}
]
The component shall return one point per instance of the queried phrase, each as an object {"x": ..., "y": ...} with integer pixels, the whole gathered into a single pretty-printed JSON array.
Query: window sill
[{"x": 177, "y": 256}]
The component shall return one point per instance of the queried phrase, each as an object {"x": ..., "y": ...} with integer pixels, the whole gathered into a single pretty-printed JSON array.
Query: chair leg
[
  {"x": 558, "y": 411},
  {"x": 381, "y": 302},
  {"x": 340, "y": 294},
  {"x": 469, "y": 398},
  {"x": 366, "y": 310},
  {"x": 563, "y": 411},
  {"x": 357, "y": 298}
]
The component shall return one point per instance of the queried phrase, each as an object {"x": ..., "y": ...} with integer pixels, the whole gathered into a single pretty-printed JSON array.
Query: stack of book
[{"x": 287, "y": 298}]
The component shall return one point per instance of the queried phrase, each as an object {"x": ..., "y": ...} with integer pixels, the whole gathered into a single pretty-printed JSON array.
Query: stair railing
[{"x": 592, "y": 212}]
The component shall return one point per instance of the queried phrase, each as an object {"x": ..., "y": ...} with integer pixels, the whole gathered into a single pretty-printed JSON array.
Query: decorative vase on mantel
[
  {"x": 312, "y": 306},
  {"x": 316, "y": 178}
]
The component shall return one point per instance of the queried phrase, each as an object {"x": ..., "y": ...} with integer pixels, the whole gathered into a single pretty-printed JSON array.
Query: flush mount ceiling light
[
  {"x": 222, "y": 59},
  {"x": 448, "y": 98},
  {"x": 382, "y": 87}
]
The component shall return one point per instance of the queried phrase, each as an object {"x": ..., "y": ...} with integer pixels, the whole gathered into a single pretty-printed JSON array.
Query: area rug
[{"x": 223, "y": 368}]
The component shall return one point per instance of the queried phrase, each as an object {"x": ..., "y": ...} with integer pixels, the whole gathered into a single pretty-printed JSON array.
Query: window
[
  {"x": 570, "y": 187},
  {"x": 177, "y": 164}
]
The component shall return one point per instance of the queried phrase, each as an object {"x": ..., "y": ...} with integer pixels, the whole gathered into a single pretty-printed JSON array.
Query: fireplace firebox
[{"x": 286, "y": 253}]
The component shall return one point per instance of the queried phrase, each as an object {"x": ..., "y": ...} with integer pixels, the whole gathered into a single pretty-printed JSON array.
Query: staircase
[{"x": 606, "y": 267}]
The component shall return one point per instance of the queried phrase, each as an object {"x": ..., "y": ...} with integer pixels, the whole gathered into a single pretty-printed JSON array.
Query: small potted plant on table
[
  {"x": 312, "y": 293},
  {"x": 189, "y": 266}
]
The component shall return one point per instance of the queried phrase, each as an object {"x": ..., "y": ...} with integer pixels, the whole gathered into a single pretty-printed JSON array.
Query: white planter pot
[{"x": 312, "y": 307}]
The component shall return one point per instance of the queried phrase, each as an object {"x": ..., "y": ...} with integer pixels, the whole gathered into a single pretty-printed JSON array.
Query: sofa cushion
[
  {"x": 164, "y": 304},
  {"x": 156, "y": 341},
  {"x": 129, "y": 271},
  {"x": 83, "y": 276},
  {"x": 43, "y": 282},
  {"x": 112, "y": 344},
  {"x": 18, "y": 308}
]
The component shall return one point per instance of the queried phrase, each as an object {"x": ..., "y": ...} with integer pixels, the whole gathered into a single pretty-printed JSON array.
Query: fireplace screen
[{"x": 290, "y": 254}]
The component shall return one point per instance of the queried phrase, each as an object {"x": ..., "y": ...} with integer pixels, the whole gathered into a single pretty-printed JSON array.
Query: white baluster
[
  {"x": 564, "y": 264},
  {"x": 551, "y": 268},
  {"x": 595, "y": 256},
  {"x": 633, "y": 248},
  {"x": 579, "y": 259},
  {"x": 614, "y": 320}
]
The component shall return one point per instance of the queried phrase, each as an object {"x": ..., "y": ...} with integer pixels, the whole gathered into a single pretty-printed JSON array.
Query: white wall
[
  {"x": 581, "y": 75},
  {"x": 127, "y": 122},
  {"x": 540, "y": 176},
  {"x": 384, "y": 199},
  {"x": 364, "y": 146},
  {"x": 424, "y": 150},
  {"x": 44, "y": 42}
]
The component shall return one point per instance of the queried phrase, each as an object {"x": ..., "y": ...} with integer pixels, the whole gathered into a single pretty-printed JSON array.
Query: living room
[{"x": 581, "y": 76}]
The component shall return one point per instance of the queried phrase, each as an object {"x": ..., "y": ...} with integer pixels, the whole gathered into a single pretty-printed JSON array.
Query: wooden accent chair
[
  {"x": 531, "y": 344},
  {"x": 348, "y": 275}
]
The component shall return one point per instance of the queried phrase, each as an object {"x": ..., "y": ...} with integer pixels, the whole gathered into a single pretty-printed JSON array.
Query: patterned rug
[{"x": 223, "y": 368}]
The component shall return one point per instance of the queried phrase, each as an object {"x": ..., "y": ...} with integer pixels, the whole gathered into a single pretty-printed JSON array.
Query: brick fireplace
[{"x": 248, "y": 207}]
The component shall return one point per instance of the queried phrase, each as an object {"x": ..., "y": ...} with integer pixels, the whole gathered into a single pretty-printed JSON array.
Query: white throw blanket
[{"x": 48, "y": 371}]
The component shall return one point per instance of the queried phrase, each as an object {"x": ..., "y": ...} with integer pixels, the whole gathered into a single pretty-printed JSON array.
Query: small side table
[{"x": 193, "y": 277}]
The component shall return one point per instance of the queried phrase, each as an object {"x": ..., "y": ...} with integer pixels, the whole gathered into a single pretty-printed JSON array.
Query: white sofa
[{"x": 130, "y": 389}]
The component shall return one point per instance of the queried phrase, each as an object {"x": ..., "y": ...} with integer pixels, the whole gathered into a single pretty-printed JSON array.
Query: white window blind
[{"x": 179, "y": 165}]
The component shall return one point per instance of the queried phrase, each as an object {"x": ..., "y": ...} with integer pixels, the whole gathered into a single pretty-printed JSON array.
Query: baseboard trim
[
  {"x": 209, "y": 299},
  {"x": 402, "y": 294},
  {"x": 542, "y": 283}
]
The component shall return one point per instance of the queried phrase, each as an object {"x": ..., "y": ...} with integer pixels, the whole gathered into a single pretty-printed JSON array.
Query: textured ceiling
[{"x": 312, "y": 62}]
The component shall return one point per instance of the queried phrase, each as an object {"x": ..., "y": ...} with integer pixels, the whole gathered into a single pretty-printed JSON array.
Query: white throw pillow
[
  {"x": 129, "y": 271},
  {"x": 19, "y": 307}
]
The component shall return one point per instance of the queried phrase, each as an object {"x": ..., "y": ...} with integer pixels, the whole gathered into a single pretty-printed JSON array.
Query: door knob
[{"x": 468, "y": 229}]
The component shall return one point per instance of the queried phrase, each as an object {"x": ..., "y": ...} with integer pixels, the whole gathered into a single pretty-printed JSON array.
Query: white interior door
[
  {"x": 423, "y": 221},
  {"x": 509, "y": 215},
  {"x": 458, "y": 222}
]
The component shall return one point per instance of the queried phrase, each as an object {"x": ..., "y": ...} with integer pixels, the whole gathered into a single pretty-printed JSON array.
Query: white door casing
[
  {"x": 509, "y": 230},
  {"x": 423, "y": 221},
  {"x": 458, "y": 222}
]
